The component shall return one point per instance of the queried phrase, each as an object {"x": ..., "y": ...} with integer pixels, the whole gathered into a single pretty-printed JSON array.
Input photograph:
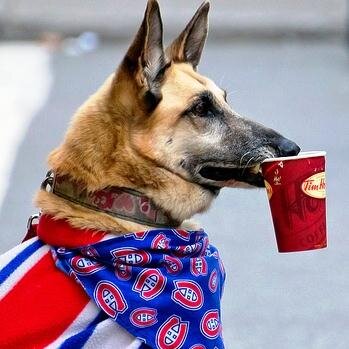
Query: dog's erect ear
[
  {"x": 190, "y": 43},
  {"x": 145, "y": 58}
]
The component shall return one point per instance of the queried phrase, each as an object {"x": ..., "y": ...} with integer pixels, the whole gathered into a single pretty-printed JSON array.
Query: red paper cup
[{"x": 296, "y": 189}]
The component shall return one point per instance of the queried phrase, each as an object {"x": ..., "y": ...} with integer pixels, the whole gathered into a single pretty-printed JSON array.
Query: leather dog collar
[{"x": 118, "y": 202}]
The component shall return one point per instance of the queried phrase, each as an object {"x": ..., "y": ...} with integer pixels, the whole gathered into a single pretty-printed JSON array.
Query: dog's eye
[
  {"x": 203, "y": 109},
  {"x": 209, "y": 114}
]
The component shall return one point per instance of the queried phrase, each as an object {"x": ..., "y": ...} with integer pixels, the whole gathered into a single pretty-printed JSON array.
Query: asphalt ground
[{"x": 301, "y": 89}]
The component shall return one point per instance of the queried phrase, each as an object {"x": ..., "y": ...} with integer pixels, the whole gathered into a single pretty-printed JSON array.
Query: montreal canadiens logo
[
  {"x": 198, "y": 266},
  {"x": 213, "y": 254},
  {"x": 210, "y": 325},
  {"x": 213, "y": 281},
  {"x": 188, "y": 294},
  {"x": 125, "y": 257},
  {"x": 205, "y": 244},
  {"x": 62, "y": 251},
  {"x": 89, "y": 251},
  {"x": 187, "y": 250},
  {"x": 172, "y": 333},
  {"x": 110, "y": 299},
  {"x": 82, "y": 265},
  {"x": 143, "y": 317},
  {"x": 173, "y": 265},
  {"x": 149, "y": 283},
  {"x": 131, "y": 256},
  {"x": 183, "y": 234},
  {"x": 139, "y": 235},
  {"x": 160, "y": 242}
]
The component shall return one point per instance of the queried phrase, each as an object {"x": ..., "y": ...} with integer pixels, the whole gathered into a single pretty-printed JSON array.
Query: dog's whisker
[
  {"x": 248, "y": 162},
  {"x": 248, "y": 152}
]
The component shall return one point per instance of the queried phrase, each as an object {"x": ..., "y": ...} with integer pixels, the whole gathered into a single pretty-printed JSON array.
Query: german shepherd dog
[{"x": 160, "y": 128}]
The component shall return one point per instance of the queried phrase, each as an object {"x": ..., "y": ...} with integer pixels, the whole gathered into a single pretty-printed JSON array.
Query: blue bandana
[{"x": 163, "y": 286}]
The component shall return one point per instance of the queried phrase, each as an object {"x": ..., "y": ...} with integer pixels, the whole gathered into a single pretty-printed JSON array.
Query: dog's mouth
[{"x": 224, "y": 176}]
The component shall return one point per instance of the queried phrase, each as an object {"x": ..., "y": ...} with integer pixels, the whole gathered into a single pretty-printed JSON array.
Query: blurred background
[{"x": 285, "y": 63}]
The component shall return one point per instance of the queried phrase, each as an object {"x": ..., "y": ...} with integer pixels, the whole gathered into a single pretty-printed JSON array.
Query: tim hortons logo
[
  {"x": 210, "y": 325},
  {"x": 173, "y": 265},
  {"x": 198, "y": 266},
  {"x": 172, "y": 333},
  {"x": 149, "y": 283},
  {"x": 82, "y": 265},
  {"x": 188, "y": 294},
  {"x": 144, "y": 317},
  {"x": 110, "y": 299},
  {"x": 315, "y": 186}
]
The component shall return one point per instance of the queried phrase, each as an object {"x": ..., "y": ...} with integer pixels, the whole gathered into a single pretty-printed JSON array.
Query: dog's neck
[
  {"x": 79, "y": 216},
  {"x": 176, "y": 197}
]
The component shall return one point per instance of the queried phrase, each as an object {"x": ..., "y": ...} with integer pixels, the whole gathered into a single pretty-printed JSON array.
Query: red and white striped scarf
[{"x": 40, "y": 307}]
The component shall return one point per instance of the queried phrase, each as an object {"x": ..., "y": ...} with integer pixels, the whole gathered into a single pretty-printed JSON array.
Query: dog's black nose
[{"x": 285, "y": 147}]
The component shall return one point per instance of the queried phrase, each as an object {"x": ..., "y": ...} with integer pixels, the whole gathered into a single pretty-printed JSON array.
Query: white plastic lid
[{"x": 301, "y": 155}]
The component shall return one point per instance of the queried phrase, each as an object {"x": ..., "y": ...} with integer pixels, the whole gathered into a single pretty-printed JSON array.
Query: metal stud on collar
[{"x": 47, "y": 183}]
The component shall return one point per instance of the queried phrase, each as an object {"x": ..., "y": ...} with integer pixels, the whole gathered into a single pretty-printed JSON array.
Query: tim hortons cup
[{"x": 296, "y": 188}]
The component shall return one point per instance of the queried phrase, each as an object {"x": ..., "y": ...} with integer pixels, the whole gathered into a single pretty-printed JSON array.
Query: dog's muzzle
[{"x": 220, "y": 173}]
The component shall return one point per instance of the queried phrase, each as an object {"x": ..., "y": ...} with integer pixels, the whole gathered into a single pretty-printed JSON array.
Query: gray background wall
[{"x": 117, "y": 18}]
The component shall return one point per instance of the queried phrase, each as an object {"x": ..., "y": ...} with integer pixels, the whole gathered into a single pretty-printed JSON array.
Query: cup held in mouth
[{"x": 296, "y": 188}]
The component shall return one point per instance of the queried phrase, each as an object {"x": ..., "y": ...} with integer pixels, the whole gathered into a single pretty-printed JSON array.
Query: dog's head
[
  {"x": 157, "y": 125},
  {"x": 182, "y": 120}
]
